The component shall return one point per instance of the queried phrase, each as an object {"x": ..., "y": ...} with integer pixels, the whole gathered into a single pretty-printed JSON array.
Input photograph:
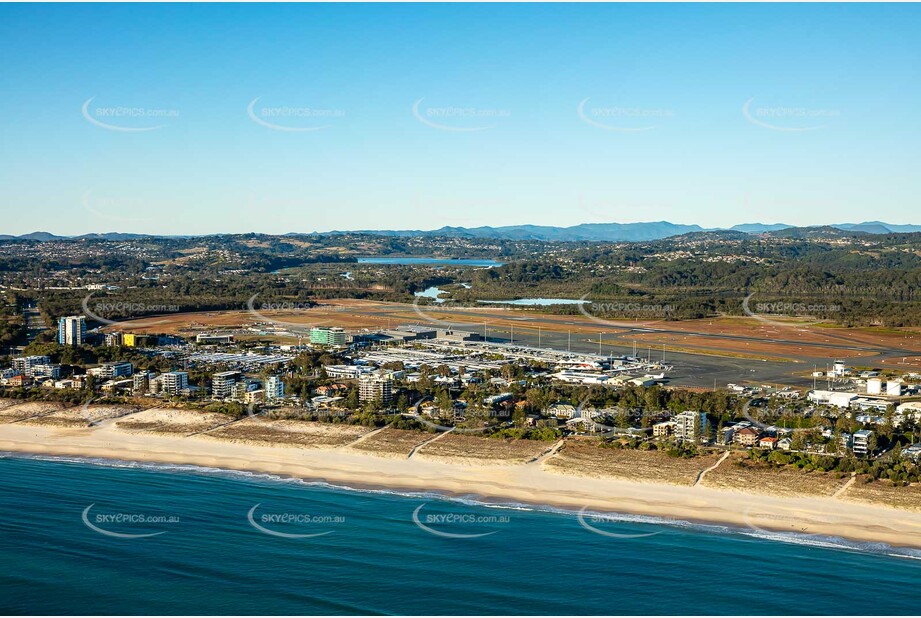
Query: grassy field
[
  {"x": 589, "y": 458},
  {"x": 883, "y": 492},
  {"x": 390, "y": 442},
  {"x": 739, "y": 474},
  {"x": 478, "y": 450},
  {"x": 289, "y": 433}
]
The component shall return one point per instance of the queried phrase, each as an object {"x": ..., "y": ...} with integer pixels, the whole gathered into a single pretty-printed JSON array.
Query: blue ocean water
[{"x": 226, "y": 543}]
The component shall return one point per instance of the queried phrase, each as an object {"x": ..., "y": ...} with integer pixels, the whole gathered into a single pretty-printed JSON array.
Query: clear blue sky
[{"x": 845, "y": 78}]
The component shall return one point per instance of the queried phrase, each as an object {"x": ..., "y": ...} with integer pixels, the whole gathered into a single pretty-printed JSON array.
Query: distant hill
[
  {"x": 820, "y": 231},
  {"x": 878, "y": 227},
  {"x": 46, "y": 236},
  {"x": 112, "y": 236},
  {"x": 586, "y": 232},
  {"x": 869, "y": 228},
  {"x": 40, "y": 236},
  {"x": 712, "y": 235},
  {"x": 760, "y": 228}
]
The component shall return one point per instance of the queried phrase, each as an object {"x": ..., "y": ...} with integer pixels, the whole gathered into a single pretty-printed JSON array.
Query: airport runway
[{"x": 690, "y": 369}]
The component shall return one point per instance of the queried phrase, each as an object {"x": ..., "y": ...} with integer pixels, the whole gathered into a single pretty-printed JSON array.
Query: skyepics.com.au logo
[
  {"x": 292, "y": 524},
  {"x": 793, "y": 310},
  {"x": 127, "y": 119},
  {"x": 125, "y": 310},
  {"x": 458, "y": 118},
  {"x": 294, "y": 119},
  {"x": 596, "y": 522},
  {"x": 625, "y": 119},
  {"x": 615, "y": 313},
  {"x": 121, "y": 525},
  {"x": 791, "y": 119},
  {"x": 281, "y": 305},
  {"x": 458, "y": 525},
  {"x": 630, "y": 311}
]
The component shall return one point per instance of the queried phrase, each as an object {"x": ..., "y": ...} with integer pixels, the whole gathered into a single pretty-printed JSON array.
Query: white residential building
[
  {"x": 690, "y": 425},
  {"x": 376, "y": 388},
  {"x": 861, "y": 441},
  {"x": 274, "y": 389},
  {"x": 174, "y": 382}
]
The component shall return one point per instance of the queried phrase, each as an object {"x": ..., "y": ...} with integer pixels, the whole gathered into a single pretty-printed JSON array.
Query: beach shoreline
[{"x": 529, "y": 484}]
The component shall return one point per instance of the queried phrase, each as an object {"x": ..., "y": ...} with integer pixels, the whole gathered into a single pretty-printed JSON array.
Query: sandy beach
[{"x": 537, "y": 481}]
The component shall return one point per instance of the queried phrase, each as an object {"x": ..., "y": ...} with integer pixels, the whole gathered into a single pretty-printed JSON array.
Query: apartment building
[
  {"x": 274, "y": 389},
  {"x": 376, "y": 388},
  {"x": 222, "y": 383},
  {"x": 861, "y": 442},
  {"x": 25, "y": 364},
  {"x": 690, "y": 425},
  {"x": 72, "y": 330},
  {"x": 173, "y": 382}
]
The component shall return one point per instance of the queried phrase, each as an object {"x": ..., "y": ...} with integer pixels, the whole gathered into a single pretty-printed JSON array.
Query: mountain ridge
[{"x": 583, "y": 232}]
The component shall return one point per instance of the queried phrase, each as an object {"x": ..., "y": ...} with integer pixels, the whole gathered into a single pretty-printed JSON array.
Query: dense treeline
[{"x": 850, "y": 278}]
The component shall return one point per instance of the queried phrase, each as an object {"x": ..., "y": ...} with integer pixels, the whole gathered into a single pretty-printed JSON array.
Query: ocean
[{"x": 96, "y": 537}]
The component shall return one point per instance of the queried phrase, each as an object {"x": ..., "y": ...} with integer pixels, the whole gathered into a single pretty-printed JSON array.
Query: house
[
  {"x": 19, "y": 381},
  {"x": 497, "y": 399},
  {"x": 785, "y": 444},
  {"x": 768, "y": 442},
  {"x": 562, "y": 410},
  {"x": 331, "y": 389}
]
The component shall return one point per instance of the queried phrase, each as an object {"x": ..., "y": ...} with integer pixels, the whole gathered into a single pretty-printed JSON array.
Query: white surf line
[
  {"x": 703, "y": 473},
  {"x": 364, "y": 437},
  {"x": 846, "y": 486},
  {"x": 438, "y": 437},
  {"x": 550, "y": 452}
]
